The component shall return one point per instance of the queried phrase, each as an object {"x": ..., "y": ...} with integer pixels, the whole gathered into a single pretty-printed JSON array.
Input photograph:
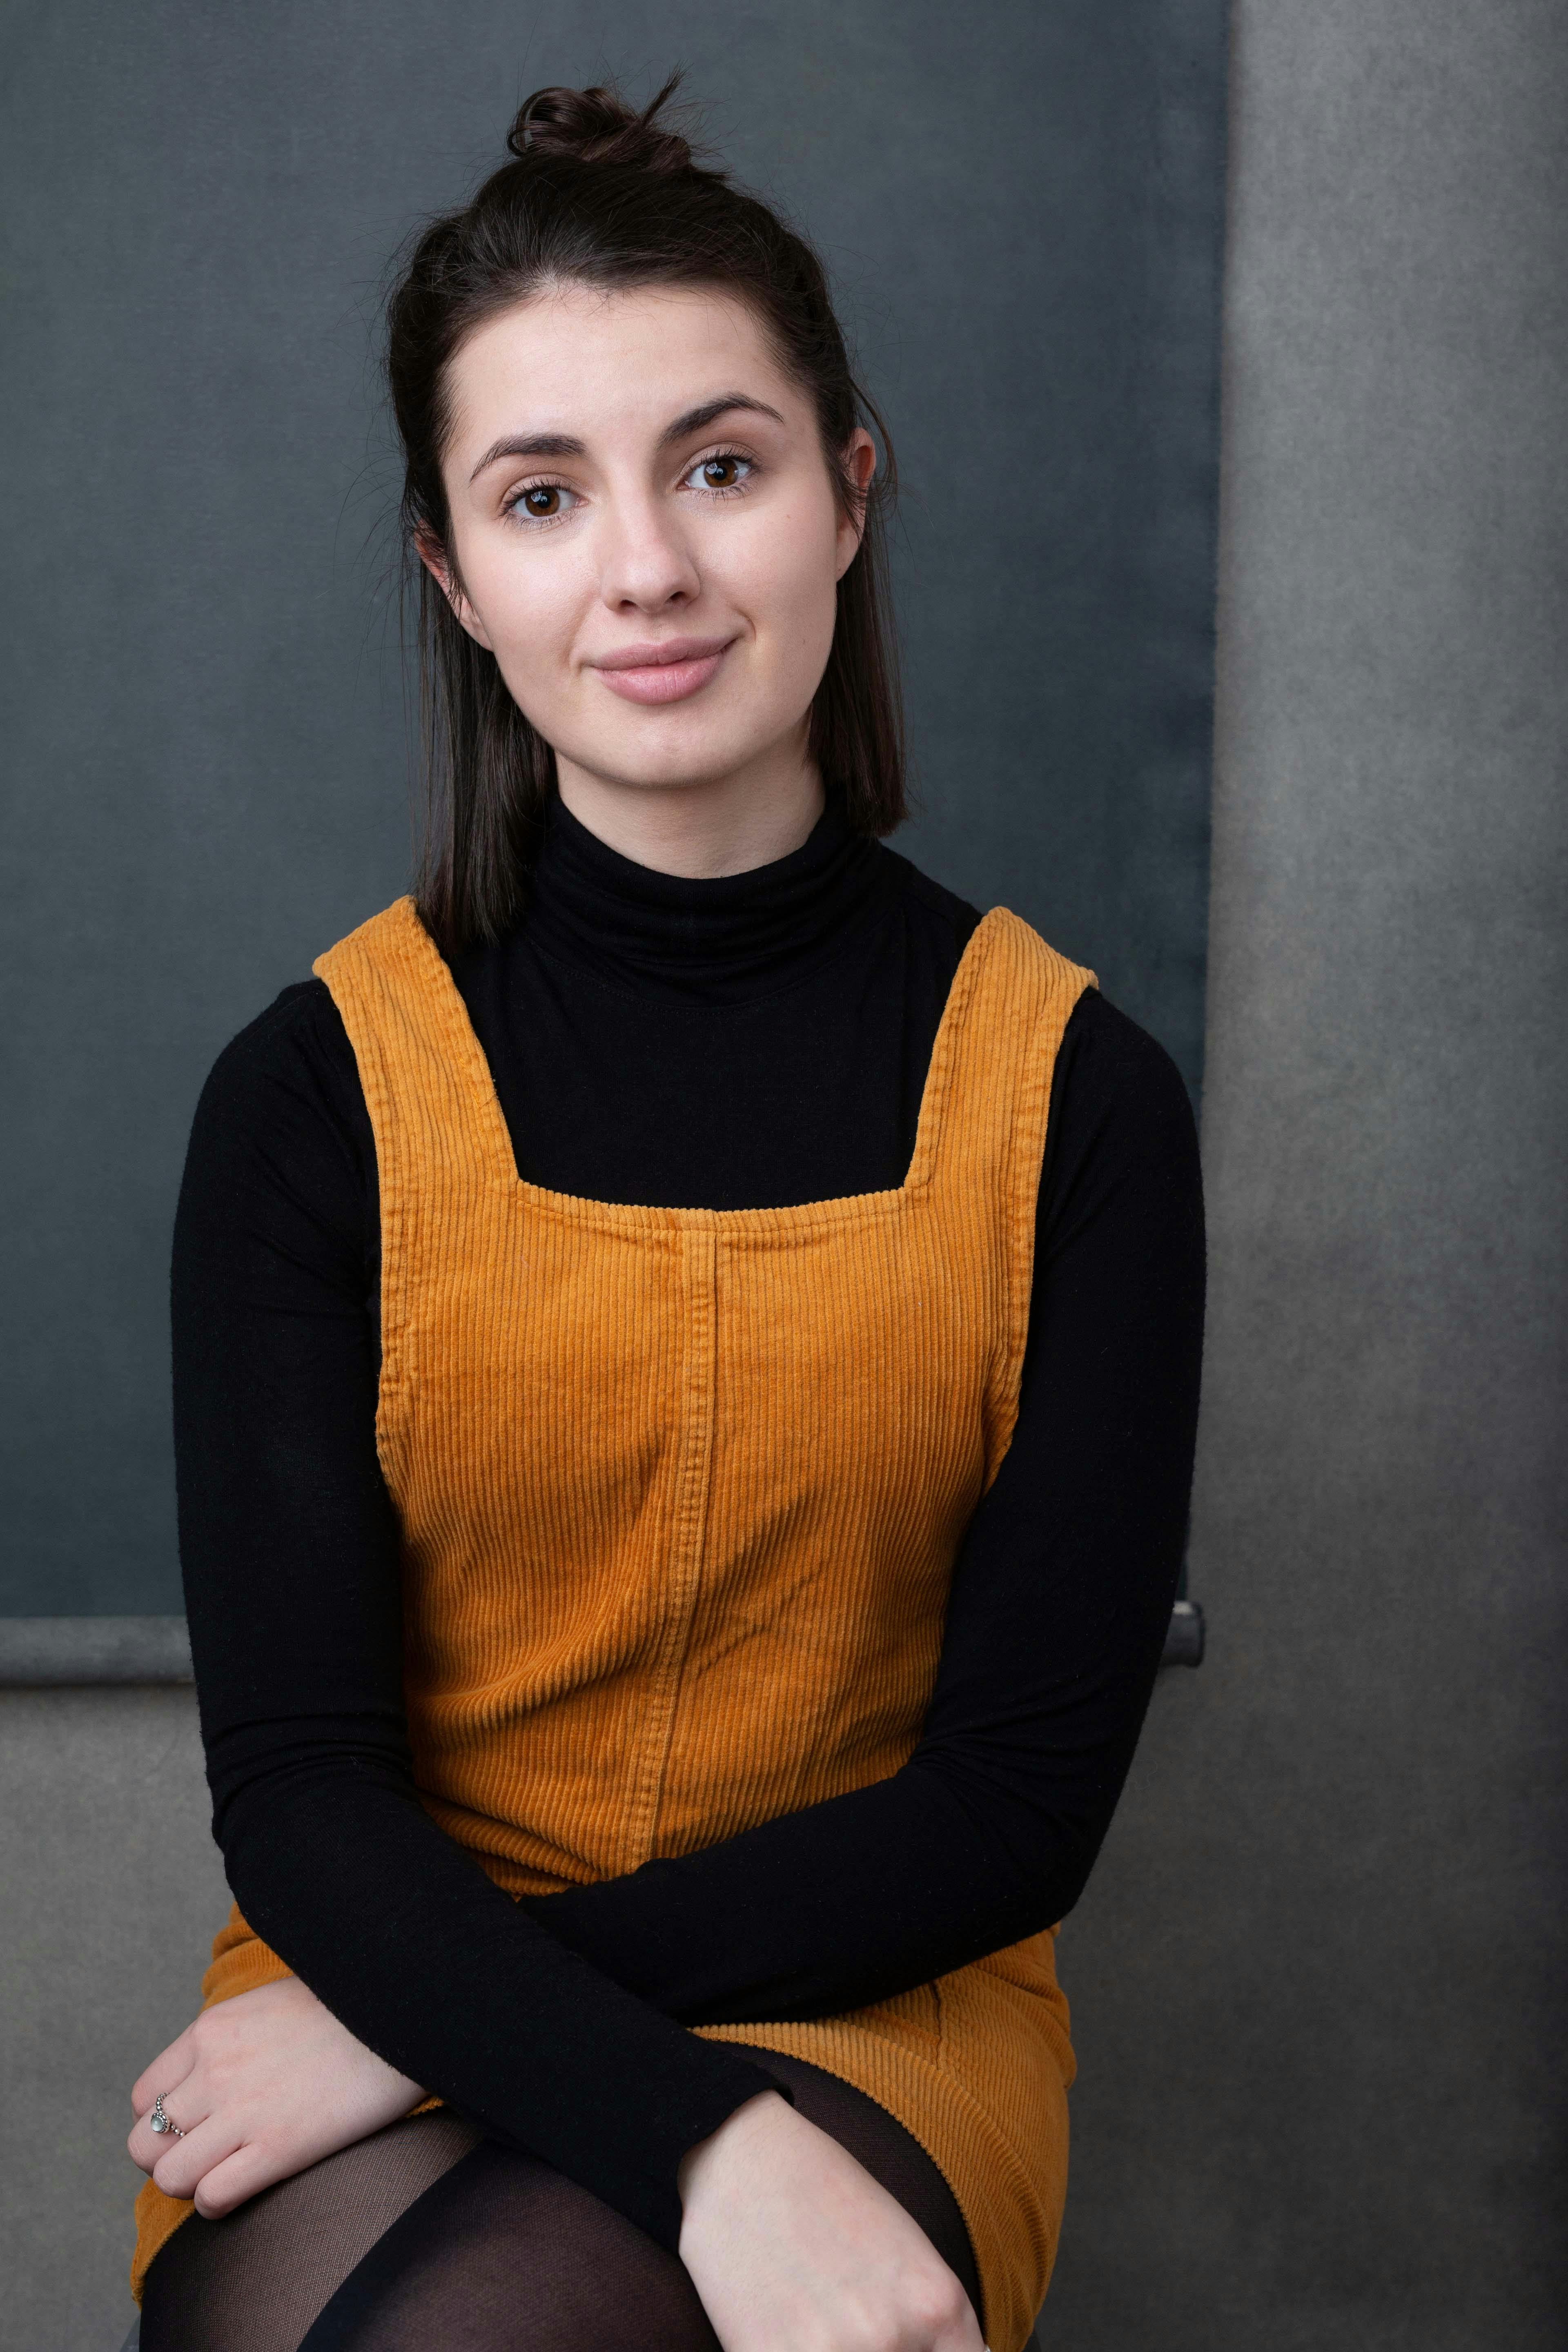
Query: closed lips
[{"x": 665, "y": 672}]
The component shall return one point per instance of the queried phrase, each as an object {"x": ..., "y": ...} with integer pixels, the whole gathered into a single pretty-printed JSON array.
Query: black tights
[{"x": 426, "y": 2238}]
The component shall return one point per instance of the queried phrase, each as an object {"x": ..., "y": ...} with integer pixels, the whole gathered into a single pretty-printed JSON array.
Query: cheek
[
  {"x": 781, "y": 573},
  {"x": 530, "y": 608}
]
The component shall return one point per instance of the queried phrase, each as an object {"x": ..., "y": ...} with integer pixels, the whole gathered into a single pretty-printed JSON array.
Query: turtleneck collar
[{"x": 721, "y": 941}]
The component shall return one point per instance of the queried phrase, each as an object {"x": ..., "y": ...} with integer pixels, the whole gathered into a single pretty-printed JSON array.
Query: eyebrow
[
  {"x": 529, "y": 444},
  {"x": 566, "y": 444},
  {"x": 696, "y": 420}
]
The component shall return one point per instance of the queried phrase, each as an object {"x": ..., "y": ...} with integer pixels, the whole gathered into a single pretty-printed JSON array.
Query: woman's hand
[
  {"x": 261, "y": 2086},
  {"x": 794, "y": 2247}
]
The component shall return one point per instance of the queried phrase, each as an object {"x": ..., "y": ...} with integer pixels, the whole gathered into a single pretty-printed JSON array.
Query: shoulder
[
  {"x": 1116, "y": 1068},
  {"x": 300, "y": 1029},
  {"x": 1121, "y": 1128},
  {"x": 290, "y": 1071},
  {"x": 280, "y": 1168},
  {"x": 1106, "y": 1066}
]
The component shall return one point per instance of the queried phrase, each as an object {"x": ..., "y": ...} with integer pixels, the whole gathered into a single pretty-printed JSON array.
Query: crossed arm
[{"x": 558, "y": 2023}]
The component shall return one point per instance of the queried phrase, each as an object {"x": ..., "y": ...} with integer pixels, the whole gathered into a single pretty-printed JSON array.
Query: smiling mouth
[{"x": 668, "y": 672}]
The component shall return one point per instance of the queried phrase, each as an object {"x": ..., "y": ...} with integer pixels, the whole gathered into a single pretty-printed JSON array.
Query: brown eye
[
  {"x": 542, "y": 502},
  {"x": 721, "y": 474}
]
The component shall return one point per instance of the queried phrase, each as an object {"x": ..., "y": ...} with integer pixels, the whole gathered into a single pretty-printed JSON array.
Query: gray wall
[
  {"x": 111, "y": 1886},
  {"x": 202, "y": 737},
  {"x": 1317, "y": 1976},
  {"x": 1319, "y": 1979}
]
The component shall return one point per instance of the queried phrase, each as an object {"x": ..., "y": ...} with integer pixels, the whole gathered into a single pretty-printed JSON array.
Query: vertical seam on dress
[{"x": 699, "y": 1254}]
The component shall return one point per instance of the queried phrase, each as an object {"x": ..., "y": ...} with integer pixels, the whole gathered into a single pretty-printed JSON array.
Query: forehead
[{"x": 597, "y": 362}]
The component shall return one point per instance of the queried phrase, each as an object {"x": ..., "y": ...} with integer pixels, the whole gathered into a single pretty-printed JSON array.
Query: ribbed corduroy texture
[{"x": 680, "y": 1492}]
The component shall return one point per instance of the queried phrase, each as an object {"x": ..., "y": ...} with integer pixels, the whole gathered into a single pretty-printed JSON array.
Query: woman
[{"x": 685, "y": 1355}]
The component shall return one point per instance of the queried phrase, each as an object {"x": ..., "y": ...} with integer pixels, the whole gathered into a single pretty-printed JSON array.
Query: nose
[{"x": 648, "y": 566}]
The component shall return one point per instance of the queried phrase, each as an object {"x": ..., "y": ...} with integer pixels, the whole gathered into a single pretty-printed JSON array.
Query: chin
[{"x": 683, "y": 761}]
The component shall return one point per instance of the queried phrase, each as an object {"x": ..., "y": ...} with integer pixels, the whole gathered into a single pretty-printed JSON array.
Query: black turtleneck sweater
[{"x": 753, "y": 1041}]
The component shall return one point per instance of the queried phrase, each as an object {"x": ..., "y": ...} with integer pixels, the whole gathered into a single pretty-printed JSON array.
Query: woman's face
[{"x": 645, "y": 533}]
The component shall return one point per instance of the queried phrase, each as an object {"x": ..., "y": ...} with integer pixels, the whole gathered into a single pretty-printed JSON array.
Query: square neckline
[{"x": 797, "y": 1217}]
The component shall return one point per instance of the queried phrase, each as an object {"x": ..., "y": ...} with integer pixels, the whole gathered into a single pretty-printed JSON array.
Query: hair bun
[{"x": 597, "y": 126}]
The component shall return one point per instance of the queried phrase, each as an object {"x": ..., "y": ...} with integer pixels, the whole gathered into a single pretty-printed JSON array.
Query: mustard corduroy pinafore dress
[{"x": 680, "y": 1492}]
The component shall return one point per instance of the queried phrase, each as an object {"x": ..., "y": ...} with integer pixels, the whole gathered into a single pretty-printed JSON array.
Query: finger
[
  {"x": 186, "y": 2108},
  {"x": 179, "y": 2172},
  {"x": 241, "y": 2176},
  {"x": 167, "y": 2073},
  {"x": 187, "y": 2114}
]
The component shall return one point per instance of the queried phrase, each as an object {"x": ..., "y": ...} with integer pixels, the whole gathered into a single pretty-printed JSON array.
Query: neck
[{"x": 729, "y": 825}]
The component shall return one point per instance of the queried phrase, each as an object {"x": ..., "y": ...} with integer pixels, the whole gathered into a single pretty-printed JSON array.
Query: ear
[
  {"x": 438, "y": 564},
  {"x": 860, "y": 464}
]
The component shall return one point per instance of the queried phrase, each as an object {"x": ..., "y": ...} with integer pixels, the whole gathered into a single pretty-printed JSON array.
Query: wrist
[{"x": 753, "y": 2121}]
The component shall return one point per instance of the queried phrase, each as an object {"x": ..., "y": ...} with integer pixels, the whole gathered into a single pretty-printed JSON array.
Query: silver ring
[{"x": 159, "y": 2120}]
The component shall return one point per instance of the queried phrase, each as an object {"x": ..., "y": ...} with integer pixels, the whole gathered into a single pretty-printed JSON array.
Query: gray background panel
[
  {"x": 1318, "y": 1981},
  {"x": 204, "y": 727}
]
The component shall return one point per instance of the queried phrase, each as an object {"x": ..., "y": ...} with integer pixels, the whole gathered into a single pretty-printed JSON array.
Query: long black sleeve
[
  {"x": 291, "y": 1576},
  {"x": 1060, "y": 1601}
]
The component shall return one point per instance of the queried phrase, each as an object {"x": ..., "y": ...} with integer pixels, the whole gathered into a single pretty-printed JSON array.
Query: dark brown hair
[{"x": 599, "y": 194}]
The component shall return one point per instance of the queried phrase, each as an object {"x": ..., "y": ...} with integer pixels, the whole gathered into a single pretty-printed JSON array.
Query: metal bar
[
  {"x": 37, "y": 1652},
  {"x": 1185, "y": 1636}
]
